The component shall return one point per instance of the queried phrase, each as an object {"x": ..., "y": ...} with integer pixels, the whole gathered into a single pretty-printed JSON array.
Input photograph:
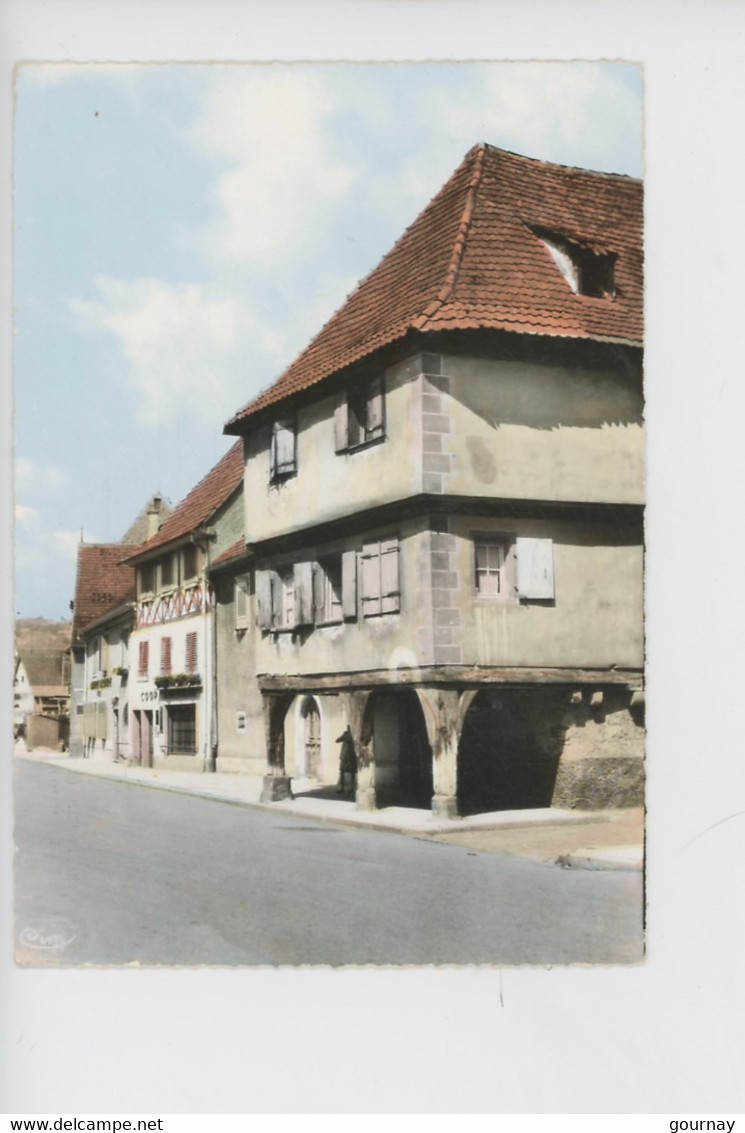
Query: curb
[{"x": 591, "y": 858}]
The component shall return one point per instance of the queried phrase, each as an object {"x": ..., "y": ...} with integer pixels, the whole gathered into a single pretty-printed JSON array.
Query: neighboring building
[
  {"x": 103, "y": 617},
  {"x": 240, "y": 725},
  {"x": 102, "y": 621},
  {"x": 444, "y": 505},
  {"x": 41, "y": 705},
  {"x": 172, "y": 722}
]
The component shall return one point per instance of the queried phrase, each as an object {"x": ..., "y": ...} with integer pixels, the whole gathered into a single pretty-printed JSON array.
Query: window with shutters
[
  {"x": 508, "y": 569},
  {"x": 359, "y": 418},
  {"x": 283, "y": 449},
  {"x": 143, "y": 659},
  {"x": 191, "y": 653},
  {"x": 380, "y": 590},
  {"x": 165, "y": 656},
  {"x": 241, "y": 592}
]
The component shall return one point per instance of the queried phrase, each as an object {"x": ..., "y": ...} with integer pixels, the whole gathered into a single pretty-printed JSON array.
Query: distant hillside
[{"x": 40, "y": 636}]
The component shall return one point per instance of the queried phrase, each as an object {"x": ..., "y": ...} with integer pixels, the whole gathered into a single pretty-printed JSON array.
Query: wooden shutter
[
  {"x": 165, "y": 655},
  {"x": 341, "y": 424},
  {"x": 303, "y": 573},
  {"x": 319, "y": 593},
  {"x": 370, "y": 579},
  {"x": 390, "y": 597},
  {"x": 240, "y": 597},
  {"x": 375, "y": 424},
  {"x": 144, "y": 659},
  {"x": 264, "y": 596},
  {"x": 349, "y": 585},
  {"x": 535, "y": 568},
  {"x": 191, "y": 653},
  {"x": 282, "y": 451}
]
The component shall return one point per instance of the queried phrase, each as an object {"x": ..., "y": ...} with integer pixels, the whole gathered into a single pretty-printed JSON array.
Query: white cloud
[
  {"x": 178, "y": 341},
  {"x": 265, "y": 124},
  {"x": 26, "y": 516},
  {"x": 33, "y": 476}
]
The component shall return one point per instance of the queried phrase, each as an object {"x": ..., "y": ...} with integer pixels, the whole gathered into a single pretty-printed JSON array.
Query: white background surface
[{"x": 664, "y": 1037}]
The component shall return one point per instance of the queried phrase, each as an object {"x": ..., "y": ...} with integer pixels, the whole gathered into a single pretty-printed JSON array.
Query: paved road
[{"x": 108, "y": 873}]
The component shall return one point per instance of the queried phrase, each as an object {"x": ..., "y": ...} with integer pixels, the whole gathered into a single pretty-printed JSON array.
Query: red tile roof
[
  {"x": 472, "y": 260},
  {"x": 202, "y": 502},
  {"x": 236, "y": 551},
  {"x": 103, "y": 582}
]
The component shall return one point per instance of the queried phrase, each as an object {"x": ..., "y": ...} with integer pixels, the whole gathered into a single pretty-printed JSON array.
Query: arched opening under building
[
  {"x": 509, "y": 750},
  {"x": 401, "y": 749}
]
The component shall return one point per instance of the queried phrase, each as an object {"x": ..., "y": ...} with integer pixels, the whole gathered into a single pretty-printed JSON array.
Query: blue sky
[{"x": 181, "y": 231}]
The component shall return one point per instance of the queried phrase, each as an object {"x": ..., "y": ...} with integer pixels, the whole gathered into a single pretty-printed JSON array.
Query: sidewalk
[{"x": 575, "y": 839}]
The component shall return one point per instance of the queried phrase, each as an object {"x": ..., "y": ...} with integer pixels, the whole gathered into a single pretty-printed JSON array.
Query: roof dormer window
[{"x": 587, "y": 272}]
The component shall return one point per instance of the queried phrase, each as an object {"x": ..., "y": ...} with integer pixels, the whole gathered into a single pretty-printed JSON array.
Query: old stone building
[{"x": 444, "y": 508}]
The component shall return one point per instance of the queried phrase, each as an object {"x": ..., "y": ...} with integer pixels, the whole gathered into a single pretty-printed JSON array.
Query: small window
[
  {"x": 359, "y": 418},
  {"x": 143, "y": 662},
  {"x": 495, "y": 570},
  {"x": 166, "y": 573},
  {"x": 283, "y": 449},
  {"x": 147, "y": 578},
  {"x": 241, "y": 591},
  {"x": 192, "y": 658},
  {"x": 380, "y": 591},
  {"x": 165, "y": 656},
  {"x": 286, "y": 599},
  {"x": 327, "y": 590},
  {"x": 190, "y": 561}
]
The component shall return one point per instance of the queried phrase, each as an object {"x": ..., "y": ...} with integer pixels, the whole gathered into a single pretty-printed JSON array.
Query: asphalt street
[{"x": 109, "y": 874}]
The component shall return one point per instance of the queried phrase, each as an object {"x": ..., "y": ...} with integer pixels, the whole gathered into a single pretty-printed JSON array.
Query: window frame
[
  {"x": 189, "y": 728},
  {"x": 366, "y": 398},
  {"x": 242, "y": 590},
  {"x": 507, "y": 571},
  {"x": 281, "y": 470}
]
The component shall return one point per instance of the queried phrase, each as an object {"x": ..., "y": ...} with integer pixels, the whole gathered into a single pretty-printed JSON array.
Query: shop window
[{"x": 182, "y": 729}]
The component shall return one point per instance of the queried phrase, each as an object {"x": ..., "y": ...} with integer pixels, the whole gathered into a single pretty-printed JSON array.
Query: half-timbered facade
[
  {"x": 446, "y": 496},
  {"x": 172, "y": 703}
]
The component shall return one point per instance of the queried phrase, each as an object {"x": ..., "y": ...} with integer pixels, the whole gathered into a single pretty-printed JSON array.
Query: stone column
[
  {"x": 276, "y": 781},
  {"x": 361, "y": 727},
  {"x": 444, "y": 711}
]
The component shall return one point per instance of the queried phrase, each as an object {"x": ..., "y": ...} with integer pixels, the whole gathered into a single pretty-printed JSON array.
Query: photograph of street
[{"x": 330, "y": 486}]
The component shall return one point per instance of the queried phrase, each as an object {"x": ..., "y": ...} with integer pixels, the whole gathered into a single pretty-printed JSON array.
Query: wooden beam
[{"x": 447, "y": 675}]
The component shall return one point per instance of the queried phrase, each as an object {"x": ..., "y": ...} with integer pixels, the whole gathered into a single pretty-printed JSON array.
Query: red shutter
[
  {"x": 191, "y": 652},
  {"x": 144, "y": 660},
  {"x": 165, "y": 655}
]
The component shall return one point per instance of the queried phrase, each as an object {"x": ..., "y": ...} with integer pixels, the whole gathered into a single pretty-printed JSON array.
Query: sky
[{"x": 181, "y": 231}]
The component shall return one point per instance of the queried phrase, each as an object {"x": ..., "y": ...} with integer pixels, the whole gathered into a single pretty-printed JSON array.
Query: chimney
[{"x": 153, "y": 516}]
